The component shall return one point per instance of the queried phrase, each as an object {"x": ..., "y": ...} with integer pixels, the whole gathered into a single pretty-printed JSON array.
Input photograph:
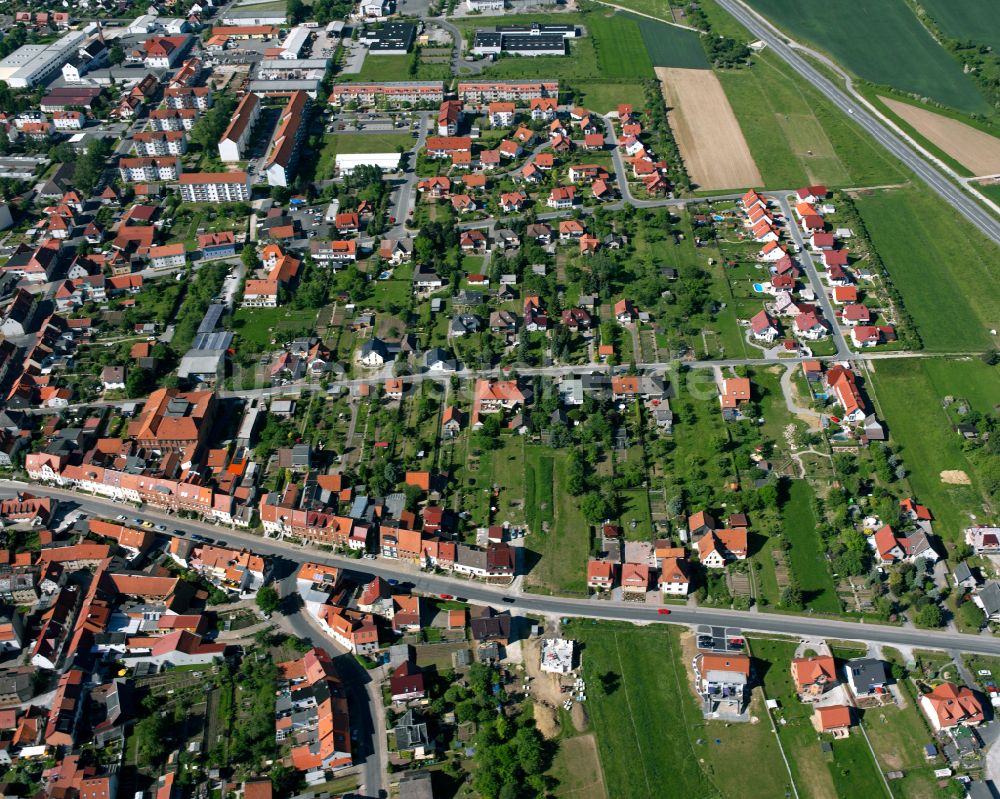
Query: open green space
[
  {"x": 795, "y": 135},
  {"x": 257, "y": 327},
  {"x": 605, "y": 97},
  {"x": 882, "y": 42},
  {"x": 650, "y": 732},
  {"x": 670, "y": 46},
  {"x": 621, "y": 51},
  {"x": 966, "y": 19},
  {"x": 897, "y": 736},
  {"x": 808, "y": 565},
  {"x": 352, "y": 143},
  {"x": 990, "y": 190},
  {"x": 383, "y": 67},
  {"x": 848, "y": 769},
  {"x": 563, "y": 548},
  {"x": 942, "y": 266},
  {"x": 909, "y": 396}
]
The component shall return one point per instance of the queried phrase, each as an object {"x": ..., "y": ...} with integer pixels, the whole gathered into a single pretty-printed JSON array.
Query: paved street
[
  {"x": 804, "y": 625},
  {"x": 805, "y": 258}
]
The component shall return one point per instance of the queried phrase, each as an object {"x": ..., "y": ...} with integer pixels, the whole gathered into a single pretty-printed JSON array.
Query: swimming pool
[{"x": 759, "y": 288}]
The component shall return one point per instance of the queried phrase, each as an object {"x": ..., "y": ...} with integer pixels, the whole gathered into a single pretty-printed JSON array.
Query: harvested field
[
  {"x": 974, "y": 149},
  {"x": 709, "y": 136}
]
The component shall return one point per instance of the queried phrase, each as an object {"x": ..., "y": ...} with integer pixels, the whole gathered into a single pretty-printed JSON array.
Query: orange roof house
[
  {"x": 835, "y": 719},
  {"x": 814, "y": 675},
  {"x": 950, "y": 705}
]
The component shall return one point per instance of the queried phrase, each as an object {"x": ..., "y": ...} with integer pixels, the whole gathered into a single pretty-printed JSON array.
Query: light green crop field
[
  {"x": 621, "y": 51},
  {"x": 796, "y": 136},
  {"x": 883, "y": 42},
  {"x": 943, "y": 267}
]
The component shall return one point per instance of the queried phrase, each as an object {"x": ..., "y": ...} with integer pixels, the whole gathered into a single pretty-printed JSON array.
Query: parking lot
[{"x": 727, "y": 640}]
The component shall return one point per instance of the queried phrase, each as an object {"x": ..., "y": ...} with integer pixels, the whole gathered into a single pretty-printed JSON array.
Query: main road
[
  {"x": 800, "y": 625},
  {"x": 946, "y": 187}
]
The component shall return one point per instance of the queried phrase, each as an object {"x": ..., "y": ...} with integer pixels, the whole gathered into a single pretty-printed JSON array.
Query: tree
[
  {"x": 929, "y": 616},
  {"x": 267, "y": 599},
  {"x": 791, "y": 597},
  {"x": 595, "y": 508},
  {"x": 250, "y": 258},
  {"x": 116, "y": 54},
  {"x": 971, "y": 615}
]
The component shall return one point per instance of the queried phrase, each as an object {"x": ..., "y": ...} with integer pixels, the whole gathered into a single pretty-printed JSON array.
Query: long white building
[
  {"x": 234, "y": 139},
  {"x": 214, "y": 187},
  {"x": 32, "y": 64}
]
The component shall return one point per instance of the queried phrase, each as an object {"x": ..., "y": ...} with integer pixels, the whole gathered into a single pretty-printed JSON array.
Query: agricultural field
[
  {"x": 881, "y": 42},
  {"x": 670, "y": 46},
  {"x": 941, "y": 265},
  {"x": 909, "y": 395},
  {"x": 974, "y": 149},
  {"x": 966, "y": 19},
  {"x": 795, "y": 135},
  {"x": 649, "y": 728},
  {"x": 621, "y": 51},
  {"x": 711, "y": 142}
]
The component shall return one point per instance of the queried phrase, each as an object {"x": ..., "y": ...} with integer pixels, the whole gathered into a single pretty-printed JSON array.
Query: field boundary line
[
  {"x": 878, "y": 765},
  {"x": 774, "y": 729}
]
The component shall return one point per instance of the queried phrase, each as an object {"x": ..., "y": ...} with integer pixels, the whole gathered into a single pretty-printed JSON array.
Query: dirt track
[
  {"x": 974, "y": 149},
  {"x": 709, "y": 136}
]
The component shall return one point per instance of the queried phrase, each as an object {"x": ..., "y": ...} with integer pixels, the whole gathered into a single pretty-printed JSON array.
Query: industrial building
[{"x": 32, "y": 64}]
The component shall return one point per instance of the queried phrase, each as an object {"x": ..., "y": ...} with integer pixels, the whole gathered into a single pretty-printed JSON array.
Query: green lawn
[
  {"x": 256, "y": 327},
  {"x": 807, "y": 564},
  {"x": 350, "y": 143},
  {"x": 652, "y": 739},
  {"x": 849, "y": 770},
  {"x": 991, "y": 190},
  {"x": 383, "y": 67},
  {"x": 796, "y": 136},
  {"x": 621, "y": 52},
  {"x": 563, "y": 550},
  {"x": 670, "y": 46},
  {"x": 942, "y": 266},
  {"x": 898, "y": 736},
  {"x": 909, "y": 395},
  {"x": 605, "y": 97},
  {"x": 966, "y": 19},
  {"x": 882, "y": 42},
  {"x": 635, "y": 505}
]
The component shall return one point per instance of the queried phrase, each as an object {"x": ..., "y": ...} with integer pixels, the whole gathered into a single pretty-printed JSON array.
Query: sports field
[
  {"x": 943, "y": 267},
  {"x": 883, "y": 42},
  {"x": 796, "y": 136},
  {"x": 670, "y": 46},
  {"x": 973, "y": 148},
  {"x": 709, "y": 136},
  {"x": 978, "y": 20},
  {"x": 621, "y": 51}
]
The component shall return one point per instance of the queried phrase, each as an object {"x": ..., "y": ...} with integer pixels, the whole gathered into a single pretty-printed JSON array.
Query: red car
[
  {"x": 446, "y": 596},
  {"x": 664, "y": 611}
]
